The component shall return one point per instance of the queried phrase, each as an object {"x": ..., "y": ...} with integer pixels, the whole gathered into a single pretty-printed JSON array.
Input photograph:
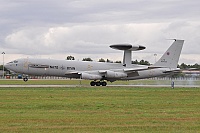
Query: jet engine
[
  {"x": 111, "y": 74},
  {"x": 90, "y": 76}
]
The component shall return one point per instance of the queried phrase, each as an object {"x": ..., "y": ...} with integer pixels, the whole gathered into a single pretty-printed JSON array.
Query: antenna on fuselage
[{"x": 127, "y": 48}]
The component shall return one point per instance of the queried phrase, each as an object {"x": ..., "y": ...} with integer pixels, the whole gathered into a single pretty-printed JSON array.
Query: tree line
[
  {"x": 141, "y": 62},
  {"x": 185, "y": 66}
]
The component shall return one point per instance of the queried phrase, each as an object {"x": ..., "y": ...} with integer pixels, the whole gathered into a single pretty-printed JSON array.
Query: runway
[{"x": 69, "y": 86}]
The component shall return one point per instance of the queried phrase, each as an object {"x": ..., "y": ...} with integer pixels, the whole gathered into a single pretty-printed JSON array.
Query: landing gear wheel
[
  {"x": 25, "y": 79},
  {"x": 98, "y": 83},
  {"x": 92, "y": 83},
  {"x": 103, "y": 83}
]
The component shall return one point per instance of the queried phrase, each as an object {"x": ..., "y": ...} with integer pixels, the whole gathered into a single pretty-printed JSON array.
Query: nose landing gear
[
  {"x": 98, "y": 83},
  {"x": 25, "y": 79}
]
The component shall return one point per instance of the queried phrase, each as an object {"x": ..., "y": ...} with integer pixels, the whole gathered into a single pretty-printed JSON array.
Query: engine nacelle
[
  {"x": 111, "y": 74},
  {"x": 90, "y": 76}
]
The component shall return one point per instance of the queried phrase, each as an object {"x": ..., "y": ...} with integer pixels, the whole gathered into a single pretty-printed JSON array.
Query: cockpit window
[{"x": 15, "y": 61}]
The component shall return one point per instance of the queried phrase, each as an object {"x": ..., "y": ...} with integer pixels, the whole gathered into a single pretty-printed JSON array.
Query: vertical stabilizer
[{"x": 171, "y": 57}]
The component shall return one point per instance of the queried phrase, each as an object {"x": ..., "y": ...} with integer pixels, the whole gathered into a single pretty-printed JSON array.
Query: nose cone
[
  {"x": 8, "y": 66},
  {"x": 13, "y": 65}
]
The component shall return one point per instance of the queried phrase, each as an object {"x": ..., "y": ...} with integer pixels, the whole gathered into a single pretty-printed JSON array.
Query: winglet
[{"x": 171, "y": 57}]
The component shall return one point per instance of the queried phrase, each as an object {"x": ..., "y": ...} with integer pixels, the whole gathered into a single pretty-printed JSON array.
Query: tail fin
[{"x": 171, "y": 57}]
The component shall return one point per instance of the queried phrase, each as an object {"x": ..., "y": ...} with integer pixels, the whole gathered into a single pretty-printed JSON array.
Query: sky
[{"x": 86, "y": 28}]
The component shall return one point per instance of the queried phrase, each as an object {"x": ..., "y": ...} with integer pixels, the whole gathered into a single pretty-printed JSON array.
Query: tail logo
[{"x": 168, "y": 53}]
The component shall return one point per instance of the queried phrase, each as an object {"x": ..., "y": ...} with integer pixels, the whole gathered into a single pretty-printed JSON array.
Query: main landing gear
[{"x": 98, "y": 83}]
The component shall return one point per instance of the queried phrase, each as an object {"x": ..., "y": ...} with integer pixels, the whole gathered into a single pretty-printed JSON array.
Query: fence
[{"x": 54, "y": 77}]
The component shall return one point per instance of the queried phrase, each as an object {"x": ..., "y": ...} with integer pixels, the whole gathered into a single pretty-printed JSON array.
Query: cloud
[
  {"x": 88, "y": 27},
  {"x": 95, "y": 39},
  {"x": 77, "y": 39}
]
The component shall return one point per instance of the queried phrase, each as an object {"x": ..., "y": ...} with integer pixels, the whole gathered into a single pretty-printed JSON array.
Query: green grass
[{"x": 100, "y": 109}]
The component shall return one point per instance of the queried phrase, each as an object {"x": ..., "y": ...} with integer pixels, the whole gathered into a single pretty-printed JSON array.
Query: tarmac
[{"x": 68, "y": 86}]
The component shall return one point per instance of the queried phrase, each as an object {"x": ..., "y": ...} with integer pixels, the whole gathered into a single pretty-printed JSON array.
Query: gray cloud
[{"x": 89, "y": 27}]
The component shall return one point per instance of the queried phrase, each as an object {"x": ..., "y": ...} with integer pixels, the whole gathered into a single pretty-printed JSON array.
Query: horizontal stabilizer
[{"x": 173, "y": 71}]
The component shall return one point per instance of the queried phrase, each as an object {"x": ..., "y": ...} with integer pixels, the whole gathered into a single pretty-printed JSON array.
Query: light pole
[{"x": 3, "y": 63}]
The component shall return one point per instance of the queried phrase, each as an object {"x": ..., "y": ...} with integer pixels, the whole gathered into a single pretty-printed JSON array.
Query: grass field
[{"x": 100, "y": 109}]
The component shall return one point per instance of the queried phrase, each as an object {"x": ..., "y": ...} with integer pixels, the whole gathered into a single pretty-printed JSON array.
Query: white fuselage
[{"x": 74, "y": 69}]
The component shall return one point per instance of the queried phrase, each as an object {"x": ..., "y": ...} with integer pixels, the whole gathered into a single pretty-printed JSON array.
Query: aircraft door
[
  {"x": 25, "y": 66},
  {"x": 46, "y": 71}
]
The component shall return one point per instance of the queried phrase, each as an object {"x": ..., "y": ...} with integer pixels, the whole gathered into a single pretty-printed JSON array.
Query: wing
[
  {"x": 129, "y": 70},
  {"x": 103, "y": 74},
  {"x": 72, "y": 74},
  {"x": 110, "y": 75}
]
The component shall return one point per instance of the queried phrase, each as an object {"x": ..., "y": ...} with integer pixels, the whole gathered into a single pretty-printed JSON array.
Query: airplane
[{"x": 100, "y": 72}]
